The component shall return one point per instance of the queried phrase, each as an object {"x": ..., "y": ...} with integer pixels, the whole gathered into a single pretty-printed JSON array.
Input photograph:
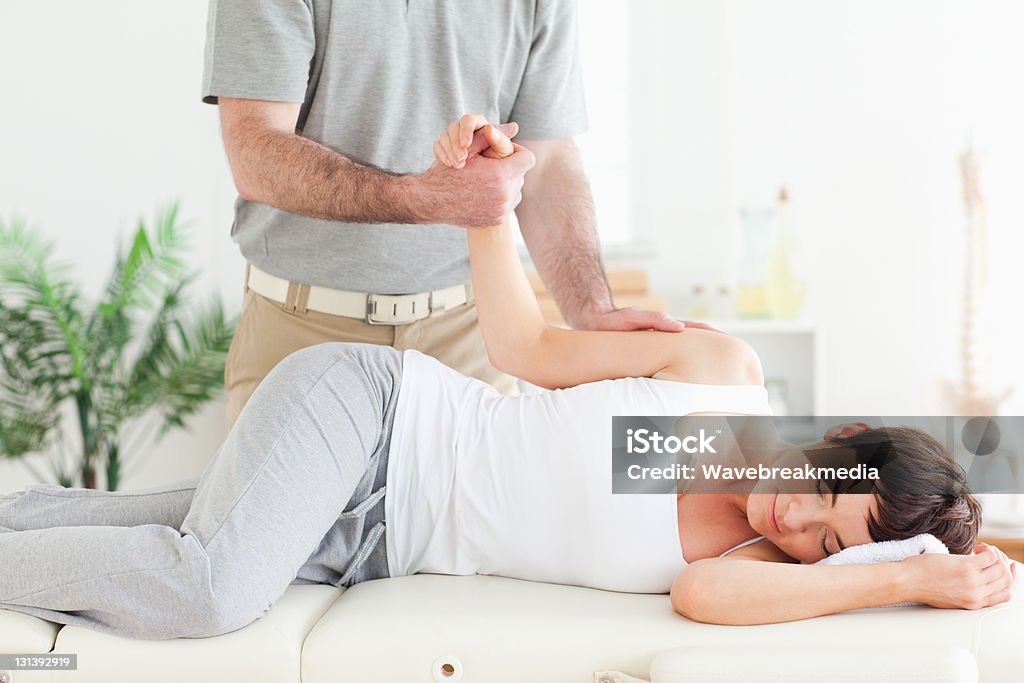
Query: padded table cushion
[
  {"x": 266, "y": 651},
  {"x": 477, "y": 629},
  {"x": 492, "y": 630},
  {"x": 837, "y": 663},
  {"x": 22, "y": 634}
]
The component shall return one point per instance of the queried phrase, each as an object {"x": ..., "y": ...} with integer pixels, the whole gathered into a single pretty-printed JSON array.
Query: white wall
[
  {"x": 605, "y": 29},
  {"x": 861, "y": 108},
  {"x": 101, "y": 122}
]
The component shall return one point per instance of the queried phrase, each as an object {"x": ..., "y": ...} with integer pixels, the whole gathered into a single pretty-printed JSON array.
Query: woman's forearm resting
[{"x": 739, "y": 592}]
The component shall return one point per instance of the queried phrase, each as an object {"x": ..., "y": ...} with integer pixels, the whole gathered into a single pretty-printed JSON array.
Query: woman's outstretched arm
[
  {"x": 760, "y": 585},
  {"x": 520, "y": 343}
]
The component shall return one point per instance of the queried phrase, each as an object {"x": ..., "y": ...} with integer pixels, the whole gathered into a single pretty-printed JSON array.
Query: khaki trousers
[{"x": 268, "y": 331}]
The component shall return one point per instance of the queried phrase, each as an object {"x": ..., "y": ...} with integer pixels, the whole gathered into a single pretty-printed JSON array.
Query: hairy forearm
[
  {"x": 559, "y": 226},
  {"x": 294, "y": 173},
  {"x": 738, "y": 592}
]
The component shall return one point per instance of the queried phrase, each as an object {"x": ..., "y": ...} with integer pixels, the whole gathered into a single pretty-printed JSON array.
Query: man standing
[{"x": 328, "y": 110}]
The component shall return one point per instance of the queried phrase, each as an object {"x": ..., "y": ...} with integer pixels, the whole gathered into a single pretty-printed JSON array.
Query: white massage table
[{"x": 443, "y": 629}]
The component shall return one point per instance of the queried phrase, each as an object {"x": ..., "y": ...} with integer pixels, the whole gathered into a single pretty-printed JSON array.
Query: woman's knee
[
  {"x": 291, "y": 380},
  {"x": 328, "y": 353},
  {"x": 200, "y": 598},
  {"x": 222, "y": 612},
  {"x": 312, "y": 361},
  {"x": 310, "y": 364}
]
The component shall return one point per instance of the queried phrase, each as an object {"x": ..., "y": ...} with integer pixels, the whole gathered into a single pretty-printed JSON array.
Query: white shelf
[{"x": 791, "y": 352}]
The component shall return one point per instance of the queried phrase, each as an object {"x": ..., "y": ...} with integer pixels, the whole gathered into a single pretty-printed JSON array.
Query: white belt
[{"x": 376, "y": 309}]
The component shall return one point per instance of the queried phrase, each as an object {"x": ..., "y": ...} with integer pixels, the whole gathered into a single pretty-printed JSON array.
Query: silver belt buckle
[
  {"x": 436, "y": 307},
  {"x": 391, "y": 309}
]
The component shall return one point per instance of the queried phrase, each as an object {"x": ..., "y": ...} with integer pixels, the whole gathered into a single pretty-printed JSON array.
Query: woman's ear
[{"x": 845, "y": 429}]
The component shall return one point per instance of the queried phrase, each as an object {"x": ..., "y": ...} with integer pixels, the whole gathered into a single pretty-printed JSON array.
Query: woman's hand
[
  {"x": 469, "y": 136},
  {"x": 982, "y": 579},
  {"x": 486, "y": 186}
]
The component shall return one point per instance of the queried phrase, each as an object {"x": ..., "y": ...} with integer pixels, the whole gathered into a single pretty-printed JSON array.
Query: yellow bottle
[
  {"x": 751, "y": 287},
  {"x": 784, "y": 291}
]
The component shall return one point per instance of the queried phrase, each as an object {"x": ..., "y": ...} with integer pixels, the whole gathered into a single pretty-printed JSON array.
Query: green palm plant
[{"x": 135, "y": 353}]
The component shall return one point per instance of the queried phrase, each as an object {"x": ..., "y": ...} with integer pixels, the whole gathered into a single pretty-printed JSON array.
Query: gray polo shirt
[{"x": 378, "y": 81}]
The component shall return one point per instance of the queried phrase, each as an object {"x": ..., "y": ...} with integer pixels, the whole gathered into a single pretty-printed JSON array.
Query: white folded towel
[{"x": 887, "y": 551}]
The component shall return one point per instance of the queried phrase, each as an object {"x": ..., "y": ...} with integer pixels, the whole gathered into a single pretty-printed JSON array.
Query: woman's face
[
  {"x": 811, "y": 526},
  {"x": 803, "y": 518}
]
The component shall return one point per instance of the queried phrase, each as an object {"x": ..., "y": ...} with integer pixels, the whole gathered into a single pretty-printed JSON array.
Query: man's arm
[
  {"x": 273, "y": 165},
  {"x": 557, "y": 219},
  {"x": 520, "y": 343}
]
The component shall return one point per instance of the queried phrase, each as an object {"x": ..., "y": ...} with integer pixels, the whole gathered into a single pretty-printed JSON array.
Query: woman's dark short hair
[{"x": 921, "y": 489}]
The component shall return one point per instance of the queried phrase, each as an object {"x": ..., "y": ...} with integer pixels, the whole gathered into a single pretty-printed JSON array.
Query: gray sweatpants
[{"x": 294, "y": 495}]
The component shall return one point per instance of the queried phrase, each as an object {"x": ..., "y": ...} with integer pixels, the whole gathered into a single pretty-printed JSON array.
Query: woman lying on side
[{"x": 354, "y": 462}]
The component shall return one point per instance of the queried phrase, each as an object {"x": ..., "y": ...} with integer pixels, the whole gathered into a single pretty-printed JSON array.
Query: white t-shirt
[{"x": 521, "y": 486}]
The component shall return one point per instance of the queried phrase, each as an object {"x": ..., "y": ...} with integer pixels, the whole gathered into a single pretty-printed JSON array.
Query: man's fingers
[
  {"x": 692, "y": 325},
  {"x": 480, "y": 143},
  {"x": 464, "y": 128},
  {"x": 635, "y": 319},
  {"x": 663, "y": 322},
  {"x": 518, "y": 155},
  {"x": 499, "y": 142},
  {"x": 525, "y": 155},
  {"x": 473, "y": 134},
  {"x": 464, "y": 140}
]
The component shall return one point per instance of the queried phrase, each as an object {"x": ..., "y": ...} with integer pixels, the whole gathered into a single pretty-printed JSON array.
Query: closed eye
[{"x": 819, "y": 488}]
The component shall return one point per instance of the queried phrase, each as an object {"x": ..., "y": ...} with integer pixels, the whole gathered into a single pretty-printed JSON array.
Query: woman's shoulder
[{"x": 714, "y": 358}]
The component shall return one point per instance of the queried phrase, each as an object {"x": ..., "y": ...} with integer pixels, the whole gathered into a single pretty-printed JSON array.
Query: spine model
[{"x": 972, "y": 396}]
